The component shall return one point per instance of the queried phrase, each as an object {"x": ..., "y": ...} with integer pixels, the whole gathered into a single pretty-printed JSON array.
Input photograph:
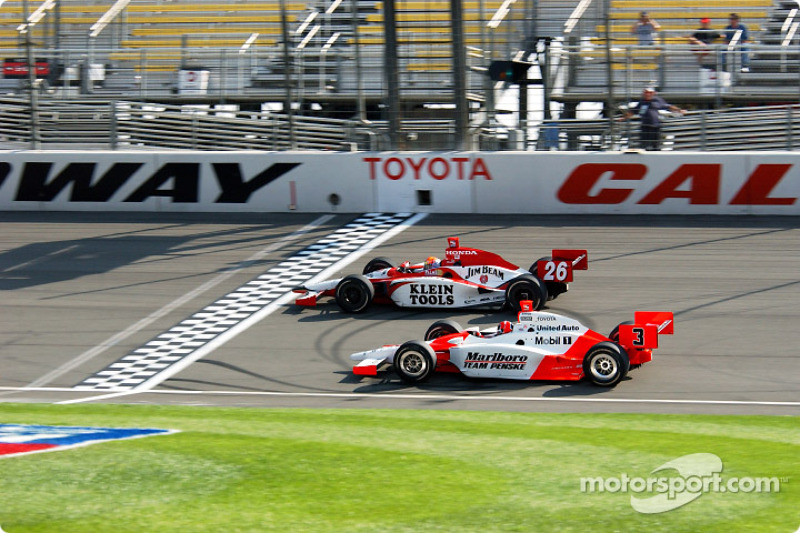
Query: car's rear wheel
[
  {"x": 354, "y": 293},
  {"x": 526, "y": 287},
  {"x": 441, "y": 328},
  {"x": 614, "y": 335},
  {"x": 605, "y": 364},
  {"x": 554, "y": 288},
  {"x": 414, "y": 361},
  {"x": 378, "y": 263}
]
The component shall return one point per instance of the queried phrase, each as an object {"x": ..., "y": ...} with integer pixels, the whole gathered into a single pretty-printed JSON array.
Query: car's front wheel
[
  {"x": 414, "y": 361},
  {"x": 605, "y": 364},
  {"x": 354, "y": 293}
]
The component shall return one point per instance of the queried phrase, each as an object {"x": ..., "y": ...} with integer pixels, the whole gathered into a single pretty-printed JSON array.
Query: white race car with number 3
[{"x": 540, "y": 346}]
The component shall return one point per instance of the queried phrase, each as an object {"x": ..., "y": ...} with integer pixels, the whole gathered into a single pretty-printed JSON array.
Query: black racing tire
[
  {"x": 414, "y": 361},
  {"x": 614, "y": 335},
  {"x": 354, "y": 293},
  {"x": 440, "y": 328},
  {"x": 605, "y": 364},
  {"x": 378, "y": 263},
  {"x": 526, "y": 287},
  {"x": 554, "y": 288}
]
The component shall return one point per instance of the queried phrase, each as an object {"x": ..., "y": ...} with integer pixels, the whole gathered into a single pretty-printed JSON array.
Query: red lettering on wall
[
  {"x": 372, "y": 161},
  {"x": 578, "y": 186},
  {"x": 459, "y": 161},
  {"x": 417, "y": 166},
  {"x": 443, "y": 165},
  {"x": 401, "y": 168},
  {"x": 760, "y": 184},
  {"x": 704, "y": 188},
  {"x": 479, "y": 169},
  {"x": 438, "y": 168}
]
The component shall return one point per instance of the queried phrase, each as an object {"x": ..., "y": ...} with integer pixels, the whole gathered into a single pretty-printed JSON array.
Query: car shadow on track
[
  {"x": 329, "y": 311},
  {"x": 450, "y": 383}
]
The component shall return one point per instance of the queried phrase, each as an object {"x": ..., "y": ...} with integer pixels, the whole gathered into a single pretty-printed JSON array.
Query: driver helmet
[
  {"x": 432, "y": 262},
  {"x": 504, "y": 327}
]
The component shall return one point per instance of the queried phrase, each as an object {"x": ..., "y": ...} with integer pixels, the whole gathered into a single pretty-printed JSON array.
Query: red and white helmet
[{"x": 504, "y": 327}]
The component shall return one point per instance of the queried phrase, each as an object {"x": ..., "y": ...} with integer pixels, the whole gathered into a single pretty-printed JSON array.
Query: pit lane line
[
  {"x": 90, "y": 354},
  {"x": 390, "y": 396}
]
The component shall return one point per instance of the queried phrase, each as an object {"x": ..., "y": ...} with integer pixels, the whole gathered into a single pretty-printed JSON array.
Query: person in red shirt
[{"x": 703, "y": 38}]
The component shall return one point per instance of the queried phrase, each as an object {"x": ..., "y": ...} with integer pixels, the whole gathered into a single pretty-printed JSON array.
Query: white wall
[{"x": 459, "y": 182}]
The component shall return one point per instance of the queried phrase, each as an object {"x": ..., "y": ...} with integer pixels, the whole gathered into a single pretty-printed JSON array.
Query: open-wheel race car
[
  {"x": 466, "y": 277},
  {"x": 540, "y": 346}
]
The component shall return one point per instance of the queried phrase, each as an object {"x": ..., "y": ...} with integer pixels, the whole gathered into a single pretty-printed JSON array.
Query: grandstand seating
[
  {"x": 674, "y": 67},
  {"x": 170, "y": 33},
  {"x": 158, "y": 23}
]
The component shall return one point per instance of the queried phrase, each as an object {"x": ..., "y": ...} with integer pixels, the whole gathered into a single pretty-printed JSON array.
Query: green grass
[{"x": 231, "y": 470}]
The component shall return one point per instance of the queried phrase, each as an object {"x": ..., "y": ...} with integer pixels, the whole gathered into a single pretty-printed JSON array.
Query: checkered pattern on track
[{"x": 184, "y": 339}]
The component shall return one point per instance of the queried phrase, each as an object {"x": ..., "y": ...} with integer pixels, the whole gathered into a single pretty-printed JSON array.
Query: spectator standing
[
  {"x": 737, "y": 31},
  {"x": 644, "y": 28},
  {"x": 647, "y": 108},
  {"x": 703, "y": 38}
]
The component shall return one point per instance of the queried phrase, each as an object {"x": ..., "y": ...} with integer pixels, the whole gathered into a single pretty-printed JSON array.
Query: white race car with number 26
[{"x": 466, "y": 277}]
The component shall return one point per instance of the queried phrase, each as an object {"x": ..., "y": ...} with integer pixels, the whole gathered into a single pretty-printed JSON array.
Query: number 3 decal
[
  {"x": 638, "y": 342},
  {"x": 554, "y": 271}
]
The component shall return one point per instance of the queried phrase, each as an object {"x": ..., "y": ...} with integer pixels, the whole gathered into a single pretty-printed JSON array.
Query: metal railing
[
  {"x": 137, "y": 125},
  {"x": 130, "y": 125},
  {"x": 735, "y": 129},
  {"x": 199, "y": 128}
]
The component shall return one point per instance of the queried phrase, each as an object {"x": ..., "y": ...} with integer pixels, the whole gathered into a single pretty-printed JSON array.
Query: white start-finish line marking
[
  {"x": 219, "y": 322},
  {"x": 90, "y": 354}
]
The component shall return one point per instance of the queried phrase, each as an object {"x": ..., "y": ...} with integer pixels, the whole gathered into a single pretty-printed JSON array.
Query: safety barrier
[{"x": 444, "y": 182}]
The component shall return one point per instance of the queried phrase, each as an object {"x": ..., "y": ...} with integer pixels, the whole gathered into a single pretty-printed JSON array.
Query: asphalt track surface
[{"x": 79, "y": 291}]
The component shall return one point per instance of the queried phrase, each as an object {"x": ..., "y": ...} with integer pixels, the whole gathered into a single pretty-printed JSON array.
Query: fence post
[
  {"x": 112, "y": 133},
  {"x": 223, "y": 76},
  {"x": 194, "y": 131},
  {"x": 142, "y": 75},
  {"x": 703, "y": 130}
]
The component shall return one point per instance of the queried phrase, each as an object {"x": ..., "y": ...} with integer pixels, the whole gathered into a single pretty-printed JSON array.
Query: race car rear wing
[
  {"x": 560, "y": 266},
  {"x": 648, "y": 325}
]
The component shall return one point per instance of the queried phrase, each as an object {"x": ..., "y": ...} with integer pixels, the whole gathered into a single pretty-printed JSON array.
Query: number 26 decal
[{"x": 555, "y": 271}]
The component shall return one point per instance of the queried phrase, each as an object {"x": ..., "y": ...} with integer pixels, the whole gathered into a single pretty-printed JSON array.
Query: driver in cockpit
[{"x": 504, "y": 327}]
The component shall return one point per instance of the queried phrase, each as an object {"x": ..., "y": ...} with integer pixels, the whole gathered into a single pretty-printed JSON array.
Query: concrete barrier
[{"x": 445, "y": 182}]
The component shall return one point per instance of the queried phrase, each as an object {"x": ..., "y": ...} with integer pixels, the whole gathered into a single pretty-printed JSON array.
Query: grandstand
[
  {"x": 337, "y": 60},
  {"x": 671, "y": 63}
]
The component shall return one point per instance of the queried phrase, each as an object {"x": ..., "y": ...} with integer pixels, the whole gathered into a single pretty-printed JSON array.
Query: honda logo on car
[
  {"x": 455, "y": 255},
  {"x": 425, "y": 294},
  {"x": 495, "y": 361}
]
